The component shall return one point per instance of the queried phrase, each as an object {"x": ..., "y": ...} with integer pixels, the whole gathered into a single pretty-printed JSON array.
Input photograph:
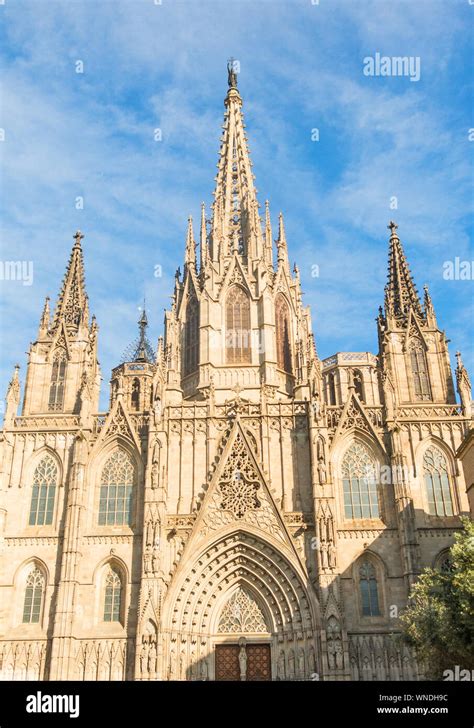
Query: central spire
[{"x": 235, "y": 221}]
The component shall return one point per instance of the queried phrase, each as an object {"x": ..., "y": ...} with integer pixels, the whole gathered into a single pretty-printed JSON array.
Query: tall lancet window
[
  {"x": 283, "y": 340},
  {"x": 112, "y": 596},
  {"x": 238, "y": 333},
  {"x": 419, "y": 369},
  {"x": 358, "y": 384},
  {"x": 34, "y": 596},
  {"x": 438, "y": 489},
  {"x": 332, "y": 388},
  {"x": 369, "y": 593},
  {"x": 135, "y": 397},
  {"x": 191, "y": 337},
  {"x": 359, "y": 483},
  {"x": 44, "y": 492},
  {"x": 58, "y": 380},
  {"x": 116, "y": 490}
]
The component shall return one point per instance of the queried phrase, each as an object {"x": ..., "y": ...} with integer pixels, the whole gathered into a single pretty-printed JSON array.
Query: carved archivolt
[{"x": 239, "y": 561}]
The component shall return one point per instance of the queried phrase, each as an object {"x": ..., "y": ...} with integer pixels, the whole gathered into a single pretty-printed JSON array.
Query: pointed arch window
[
  {"x": 282, "y": 321},
  {"x": 191, "y": 337},
  {"x": 238, "y": 333},
  {"x": 34, "y": 596},
  {"x": 112, "y": 596},
  {"x": 359, "y": 483},
  {"x": 332, "y": 389},
  {"x": 419, "y": 369},
  {"x": 116, "y": 490},
  {"x": 437, "y": 483},
  {"x": 45, "y": 480},
  {"x": 358, "y": 384},
  {"x": 135, "y": 398},
  {"x": 58, "y": 380},
  {"x": 241, "y": 614},
  {"x": 369, "y": 593}
]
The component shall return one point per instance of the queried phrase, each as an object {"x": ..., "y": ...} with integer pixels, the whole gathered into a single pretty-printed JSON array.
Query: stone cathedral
[{"x": 243, "y": 510}]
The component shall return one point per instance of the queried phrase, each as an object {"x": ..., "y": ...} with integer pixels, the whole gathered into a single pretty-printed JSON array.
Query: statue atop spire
[{"x": 232, "y": 73}]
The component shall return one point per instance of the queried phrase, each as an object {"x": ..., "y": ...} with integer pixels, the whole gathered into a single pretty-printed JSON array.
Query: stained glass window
[
  {"x": 419, "y": 370},
  {"x": 359, "y": 483},
  {"x": 58, "y": 380},
  {"x": 116, "y": 490},
  {"x": 438, "y": 490},
  {"x": 282, "y": 321},
  {"x": 238, "y": 333},
  {"x": 113, "y": 596},
  {"x": 44, "y": 492},
  {"x": 368, "y": 590},
  {"x": 34, "y": 594}
]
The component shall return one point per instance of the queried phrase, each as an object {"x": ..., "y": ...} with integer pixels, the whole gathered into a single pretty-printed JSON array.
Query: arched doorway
[
  {"x": 245, "y": 650},
  {"x": 240, "y": 610}
]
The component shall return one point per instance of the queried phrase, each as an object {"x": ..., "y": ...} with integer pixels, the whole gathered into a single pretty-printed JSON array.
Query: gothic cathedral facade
[{"x": 244, "y": 510}]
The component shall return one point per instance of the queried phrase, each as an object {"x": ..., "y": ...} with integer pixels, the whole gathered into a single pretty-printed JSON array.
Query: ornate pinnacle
[
  {"x": 400, "y": 292},
  {"x": 72, "y": 297}
]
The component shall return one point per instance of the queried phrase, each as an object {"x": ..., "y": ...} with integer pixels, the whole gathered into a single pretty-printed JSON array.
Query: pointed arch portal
[{"x": 243, "y": 594}]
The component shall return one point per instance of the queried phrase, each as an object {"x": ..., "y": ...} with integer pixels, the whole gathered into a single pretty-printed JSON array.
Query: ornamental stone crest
[
  {"x": 242, "y": 615},
  {"x": 241, "y": 495}
]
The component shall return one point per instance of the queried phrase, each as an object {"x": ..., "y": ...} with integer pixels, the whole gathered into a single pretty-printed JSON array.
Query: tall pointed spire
[
  {"x": 13, "y": 396},
  {"x": 203, "y": 238},
  {"x": 45, "y": 320},
  {"x": 281, "y": 243},
  {"x": 190, "y": 254},
  {"x": 72, "y": 299},
  {"x": 400, "y": 292},
  {"x": 268, "y": 235},
  {"x": 235, "y": 199},
  {"x": 141, "y": 350}
]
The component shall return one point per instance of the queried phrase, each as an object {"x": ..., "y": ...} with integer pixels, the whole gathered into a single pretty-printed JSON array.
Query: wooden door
[
  {"x": 227, "y": 662},
  {"x": 258, "y": 662}
]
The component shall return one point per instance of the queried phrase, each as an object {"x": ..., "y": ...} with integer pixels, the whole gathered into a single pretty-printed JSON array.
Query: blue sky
[{"x": 147, "y": 66}]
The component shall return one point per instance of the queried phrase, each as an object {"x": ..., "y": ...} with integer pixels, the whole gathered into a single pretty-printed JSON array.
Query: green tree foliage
[{"x": 439, "y": 619}]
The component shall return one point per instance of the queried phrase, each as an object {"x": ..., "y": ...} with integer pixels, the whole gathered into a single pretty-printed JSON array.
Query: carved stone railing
[
  {"x": 47, "y": 422},
  {"x": 375, "y": 415},
  {"x": 350, "y": 357},
  {"x": 140, "y": 423},
  {"x": 429, "y": 411},
  {"x": 287, "y": 409}
]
